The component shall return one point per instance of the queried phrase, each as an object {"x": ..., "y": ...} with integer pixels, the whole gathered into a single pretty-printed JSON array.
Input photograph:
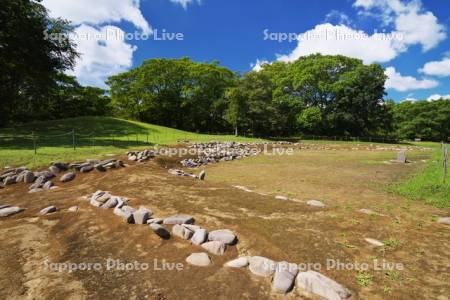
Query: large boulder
[
  {"x": 237, "y": 263},
  {"x": 199, "y": 259},
  {"x": 160, "y": 230},
  {"x": 312, "y": 282},
  {"x": 67, "y": 177},
  {"x": 224, "y": 235},
  {"x": 54, "y": 169},
  {"x": 215, "y": 247},
  {"x": 182, "y": 232},
  {"x": 87, "y": 168},
  {"x": 48, "y": 210},
  {"x": 284, "y": 277},
  {"x": 142, "y": 215},
  {"x": 199, "y": 237},
  {"x": 179, "y": 219},
  {"x": 10, "y": 210},
  {"x": 261, "y": 266}
]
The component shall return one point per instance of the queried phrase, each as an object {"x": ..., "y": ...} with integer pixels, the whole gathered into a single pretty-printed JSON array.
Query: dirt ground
[{"x": 346, "y": 179}]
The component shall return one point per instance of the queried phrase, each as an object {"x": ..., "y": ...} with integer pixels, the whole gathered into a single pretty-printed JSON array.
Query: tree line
[{"x": 317, "y": 94}]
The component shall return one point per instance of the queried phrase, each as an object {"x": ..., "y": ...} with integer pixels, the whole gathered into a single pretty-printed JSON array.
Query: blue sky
[{"x": 415, "y": 47}]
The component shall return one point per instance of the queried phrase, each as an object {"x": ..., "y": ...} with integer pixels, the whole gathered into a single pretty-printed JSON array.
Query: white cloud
[
  {"x": 406, "y": 83},
  {"x": 185, "y": 3},
  {"x": 331, "y": 39},
  {"x": 101, "y": 57},
  {"x": 437, "y": 68},
  {"x": 258, "y": 65},
  {"x": 437, "y": 97},
  {"x": 411, "y": 26},
  {"x": 99, "y": 12}
]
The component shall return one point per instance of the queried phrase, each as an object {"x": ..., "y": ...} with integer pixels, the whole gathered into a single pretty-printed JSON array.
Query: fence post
[
  {"x": 445, "y": 160},
  {"x": 73, "y": 139},
  {"x": 147, "y": 136},
  {"x": 34, "y": 143}
]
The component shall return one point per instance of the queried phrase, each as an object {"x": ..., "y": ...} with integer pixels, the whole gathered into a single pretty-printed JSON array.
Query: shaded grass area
[
  {"x": 54, "y": 139},
  {"x": 427, "y": 184}
]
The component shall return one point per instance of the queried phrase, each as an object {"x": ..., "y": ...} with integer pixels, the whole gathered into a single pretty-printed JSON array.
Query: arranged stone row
[
  {"x": 7, "y": 210},
  {"x": 141, "y": 156},
  {"x": 286, "y": 275},
  {"x": 179, "y": 172}
]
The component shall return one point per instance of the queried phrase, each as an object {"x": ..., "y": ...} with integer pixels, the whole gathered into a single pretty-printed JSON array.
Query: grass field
[{"x": 93, "y": 136}]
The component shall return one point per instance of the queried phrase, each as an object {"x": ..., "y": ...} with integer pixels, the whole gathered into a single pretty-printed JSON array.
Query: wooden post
[
  {"x": 34, "y": 144},
  {"x": 445, "y": 160},
  {"x": 73, "y": 139}
]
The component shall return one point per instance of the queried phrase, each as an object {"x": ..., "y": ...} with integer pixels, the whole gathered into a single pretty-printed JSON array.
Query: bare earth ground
[{"x": 345, "y": 179}]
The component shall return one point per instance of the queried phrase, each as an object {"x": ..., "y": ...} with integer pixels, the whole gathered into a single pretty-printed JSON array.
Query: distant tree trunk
[{"x": 236, "y": 133}]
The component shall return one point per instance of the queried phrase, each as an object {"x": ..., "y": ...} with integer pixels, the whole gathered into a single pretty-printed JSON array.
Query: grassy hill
[{"x": 94, "y": 136}]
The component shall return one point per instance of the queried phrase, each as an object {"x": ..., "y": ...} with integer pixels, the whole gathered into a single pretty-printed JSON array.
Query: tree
[
  {"x": 30, "y": 61},
  {"x": 310, "y": 120}
]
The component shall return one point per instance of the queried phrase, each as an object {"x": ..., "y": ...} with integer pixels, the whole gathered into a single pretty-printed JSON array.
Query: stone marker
[
  {"x": 224, "y": 235},
  {"x": 215, "y": 247},
  {"x": 374, "y": 242},
  {"x": 73, "y": 209},
  {"x": 48, "y": 210},
  {"x": 179, "y": 219},
  {"x": 9, "y": 211},
  {"x": 401, "y": 156},
  {"x": 284, "y": 277},
  {"x": 315, "y": 203},
  {"x": 160, "y": 231},
  {"x": 444, "y": 220},
  {"x": 261, "y": 266},
  {"x": 182, "y": 232},
  {"x": 237, "y": 263},
  {"x": 202, "y": 175},
  {"x": 199, "y": 237},
  {"x": 199, "y": 259},
  {"x": 142, "y": 215},
  {"x": 68, "y": 177},
  {"x": 317, "y": 284}
]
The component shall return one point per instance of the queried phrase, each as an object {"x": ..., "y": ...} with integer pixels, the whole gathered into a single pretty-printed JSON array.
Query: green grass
[
  {"x": 94, "y": 136},
  {"x": 427, "y": 184}
]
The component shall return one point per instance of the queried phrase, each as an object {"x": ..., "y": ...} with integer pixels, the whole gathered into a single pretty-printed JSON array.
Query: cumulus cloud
[
  {"x": 410, "y": 23},
  {"x": 185, "y": 3},
  {"x": 437, "y": 97},
  {"x": 99, "y": 12},
  {"x": 437, "y": 68},
  {"x": 401, "y": 83},
  {"x": 101, "y": 56},
  {"x": 257, "y": 66}
]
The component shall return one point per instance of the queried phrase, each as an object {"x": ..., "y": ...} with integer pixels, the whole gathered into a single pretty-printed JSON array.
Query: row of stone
[
  {"x": 179, "y": 172},
  {"x": 141, "y": 156}
]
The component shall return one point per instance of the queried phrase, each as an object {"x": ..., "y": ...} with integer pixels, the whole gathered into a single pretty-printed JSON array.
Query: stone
[
  {"x": 29, "y": 177},
  {"x": 100, "y": 168},
  {"x": 315, "y": 203},
  {"x": 182, "y": 232},
  {"x": 87, "y": 169},
  {"x": 215, "y": 247},
  {"x": 35, "y": 190},
  {"x": 61, "y": 166},
  {"x": 224, "y": 235},
  {"x": 11, "y": 210},
  {"x": 401, "y": 156},
  {"x": 191, "y": 227},
  {"x": 9, "y": 180},
  {"x": 103, "y": 198},
  {"x": 142, "y": 215},
  {"x": 111, "y": 203},
  {"x": 284, "y": 277},
  {"x": 261, "y": 266},
  {"x": 4, "y": 206},
  {"x": 48, "y": 210},
  {"x": 128, "y": 209},
  {"x": 54, "y": 169},
  {"x": 160, "y": 230},
  {"x": 199, "y": 237},
  {"x": 97, "y": 194},
  {"x": 47, "y": 185},
  {"x": 199, "y": 259},
  {"x": 124, "y": 214},
  {"x": 444, "y": 220},
  {"x": 374, "y": 242},
  {"x": 239, "y": 262},
  {"x": 67, "y": 177},
  {"x": 279, "y": 197},
  {"x": 155, "y": 221},
  {"x": 179, "y": 219},
  {"x": 202, "y": 175},
  {"x": 95, "y": 203},
  {"x": 317, "y": 284},
  {"x": 73, "y": 209}
]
